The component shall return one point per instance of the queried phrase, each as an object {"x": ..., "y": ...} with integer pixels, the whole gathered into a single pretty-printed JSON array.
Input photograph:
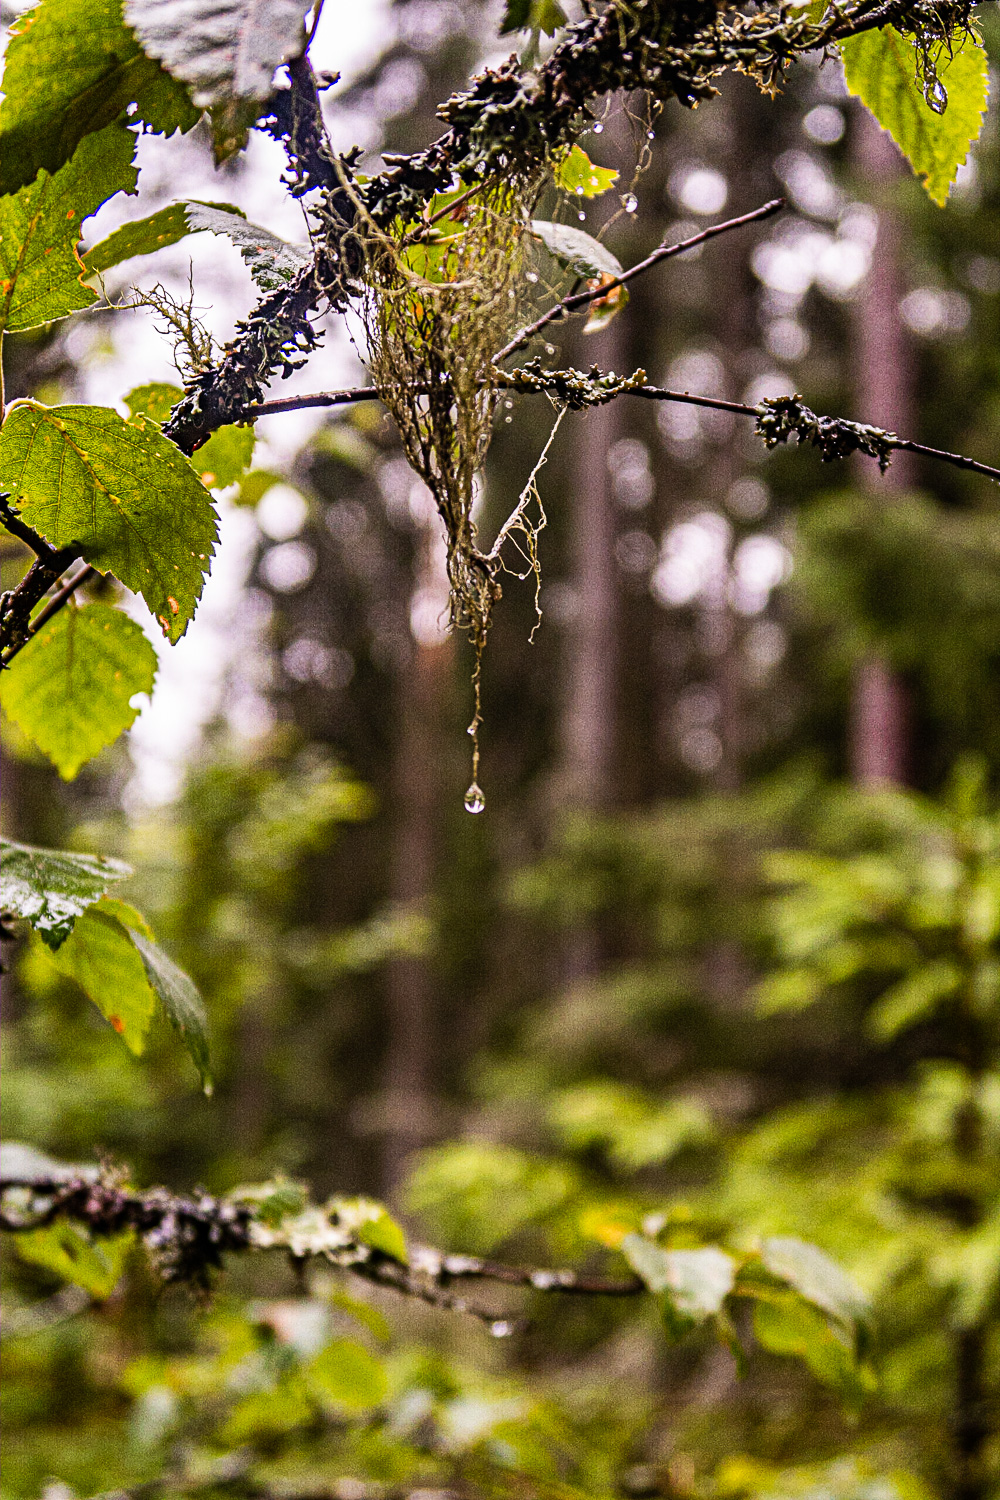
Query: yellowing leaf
[
  {"x": 71, "y": 687},
  {"x": 880, "y": 68},
  {"x": 121, "y": 492},
  {"x": 575, "y": 173}
]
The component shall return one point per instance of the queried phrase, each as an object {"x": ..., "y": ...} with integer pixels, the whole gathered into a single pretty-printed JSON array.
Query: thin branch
[
  {"x": 187, "y": 1236},
  {"x": 552, "y": 381},
  {"x": 574, "y": 302}
]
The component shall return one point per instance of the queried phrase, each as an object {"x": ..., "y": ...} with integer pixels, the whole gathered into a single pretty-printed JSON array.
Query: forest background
[{"x": 719, "y": 958}]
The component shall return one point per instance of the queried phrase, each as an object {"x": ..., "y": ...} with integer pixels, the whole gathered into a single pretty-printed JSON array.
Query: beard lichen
[{"x": 443, "y": 298}]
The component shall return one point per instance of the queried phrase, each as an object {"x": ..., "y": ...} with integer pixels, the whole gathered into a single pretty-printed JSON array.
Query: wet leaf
[
  {"x": 880, "y": 68},
  {"x": 50, "y": 888},
  {"x": 272, "y": 261},
  {"x": 576, "y": 250},
  {"x": 224, "y": 49}
]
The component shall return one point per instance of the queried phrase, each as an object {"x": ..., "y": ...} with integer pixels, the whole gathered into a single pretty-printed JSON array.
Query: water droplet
[
  {"x": 651, "y": 135},
  {"x": 508, "y": 403},
  {"x": 579, "y": 192},
  {"x": 581, "y": 216},
  {"x": 936, "y": 96},
  {"x": 508, "y": 420},
  {"x": 598, "y": 128},
  {"x": 550, "y": 348},
  {"x": 531, "y": 276},
  {"x": 630, "y": 203},
  {"x": 474, "y": 803},
  {"x": 501, "y": 1328}
]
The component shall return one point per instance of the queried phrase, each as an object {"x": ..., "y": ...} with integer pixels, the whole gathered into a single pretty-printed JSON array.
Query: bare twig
[{"x": 578, "y": 300}]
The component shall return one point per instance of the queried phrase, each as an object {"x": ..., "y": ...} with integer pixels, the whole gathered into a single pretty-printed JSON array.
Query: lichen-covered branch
[{"x": 188, "y": 1235}]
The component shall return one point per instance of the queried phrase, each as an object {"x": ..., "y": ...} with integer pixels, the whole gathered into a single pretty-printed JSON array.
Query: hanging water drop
[
  {"x": 531, "y": 276},
  {"x": 508, "y": 403},
  {"x": 651, "y": 135},
  {"x": 474, "y": 803},
  {"x": 936, "y": 96},
  {"x": 501, "y": 1328},
  {"x": 550, "y": 348},
  {"x": 581, "y": 216},
  {"x": 630, "y": 203},
  {"x": 598, "y": 128}
]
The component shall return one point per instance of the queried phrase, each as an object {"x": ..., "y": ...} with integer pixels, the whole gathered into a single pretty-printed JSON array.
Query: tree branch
[
  {"x": 577, "y": 300},
  {"x": 187, "y": 1237}
]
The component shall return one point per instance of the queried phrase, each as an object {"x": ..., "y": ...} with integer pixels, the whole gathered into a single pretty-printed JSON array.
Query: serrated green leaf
[
  {"x": 66, "y": 1249},
  {"x": 538, "y": 15},
  {"x": 121, "y": 492},
  {"x": 181, "y": 1001},
  {"x": 72, "y": 67},
  {"x": 692, "y": 1284},
  {"x": 345, "y": 1374},
  {"x": 576, "y": 250},
  {"x": 224, "y": 49},
  {"x": 272, "y": 261},
  {"x": 143, "y": 237},
  {"x": 50, "y": 888},
  {"x": 880, "y": 68},
  {"x": 219, "y": 462},
  {"x": 40, "y": 227},
  {"x": 575, "y": 173},
  {"x": 70, "y": 688},
  {"x": 815, "y": 1276},
  {"x": 101, "y": 956},
  {"x": 516, "y": 16}
]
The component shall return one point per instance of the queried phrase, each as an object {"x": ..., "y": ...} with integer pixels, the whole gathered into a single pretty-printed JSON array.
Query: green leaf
[
  {"x": 143, "y": 237},
  {"x": 911, "y": 999},
  {"x": 65, "y": 1248},
  {"x": 219, "y": 462},
  {"x": 225, "y": 457},
  {"x": 50, "y": 888},
  {"x": 371, "y": 1224},
  {"x": 692, "y": 1284},
  {"x": 72, "y": 67},
  {"x": 787, "y": 1325},
  {"x": 575, "y": 173},
  {"x": 815, "y": 1276},
  {"x": 181, "y": 1001},
  {"x": 880, "y": 68},
  {"x": 577, "y": 251},
  {"x": 345, "y": 1374},
  {"x": 539, "y": 15},
  {"x": 224, "y": 49},
  {"x": 155, "y": 401},
  {"x": 101, "y": 956},
  {"x": 40, "y": 227},
  {"x": 70, "y": 688},
  {"x": 121, "y": 492},
  {"x": 273, "y": 262}
]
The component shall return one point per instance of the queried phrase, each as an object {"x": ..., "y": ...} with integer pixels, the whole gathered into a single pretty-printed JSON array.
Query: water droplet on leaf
[
  {"x": 474, "y": 803},
  {"x": 936, "y": 96}
]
